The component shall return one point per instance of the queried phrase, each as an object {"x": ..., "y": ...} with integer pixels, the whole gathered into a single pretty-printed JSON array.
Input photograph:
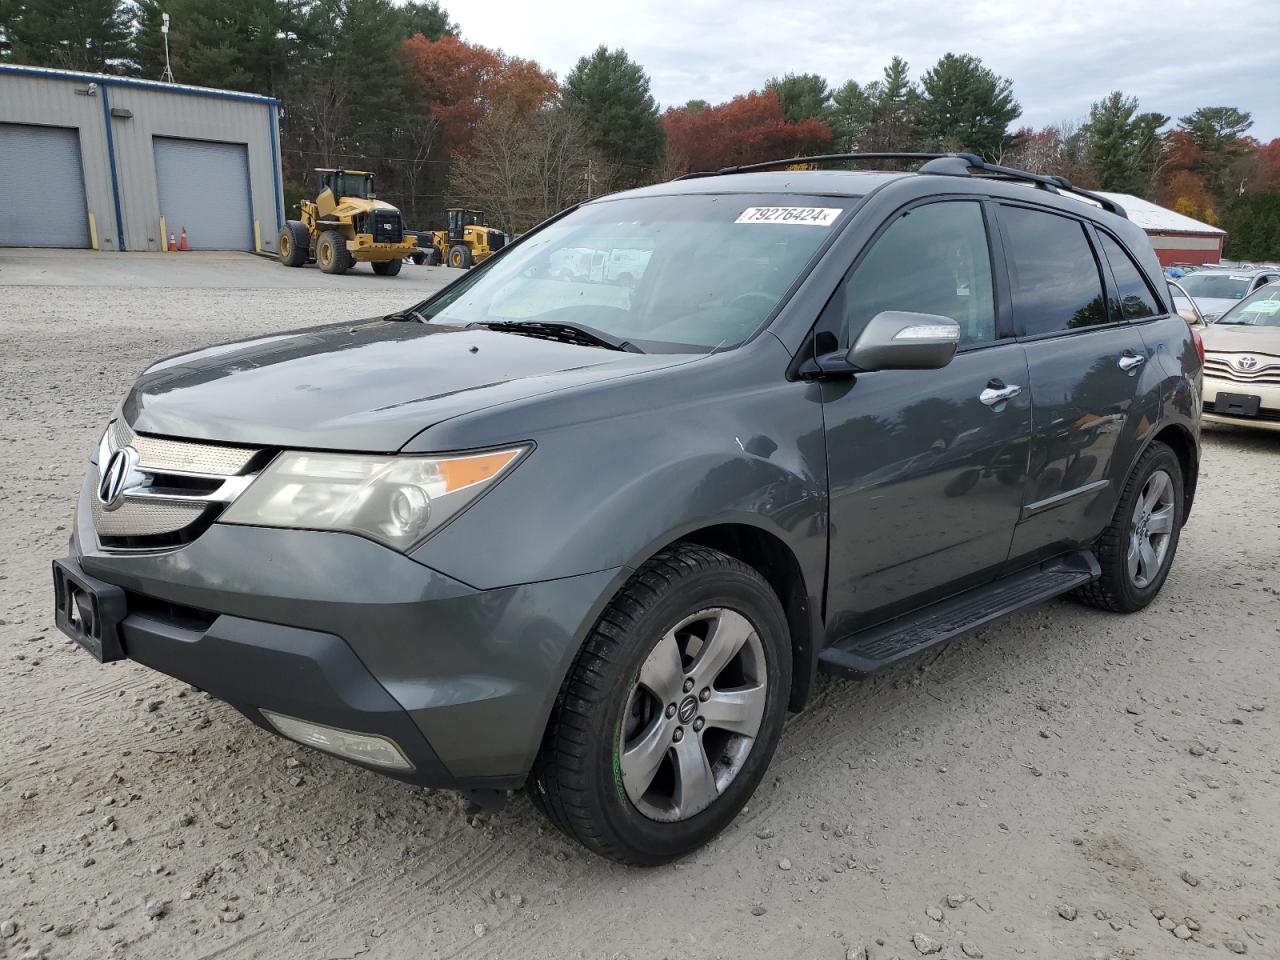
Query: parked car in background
[
  {"x": 597, "y": 539},
  {"x": 1217, "y": 291},
  {"x": 1242, "y": 363}
]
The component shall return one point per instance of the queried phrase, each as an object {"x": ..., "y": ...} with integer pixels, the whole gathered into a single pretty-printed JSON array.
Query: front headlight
[{"x": 398, "y": 501}]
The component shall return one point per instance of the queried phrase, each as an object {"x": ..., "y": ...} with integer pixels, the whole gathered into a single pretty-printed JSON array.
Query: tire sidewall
[
  {"x": 1162, "y": 458},
  {"x": 740, "y": 590}
]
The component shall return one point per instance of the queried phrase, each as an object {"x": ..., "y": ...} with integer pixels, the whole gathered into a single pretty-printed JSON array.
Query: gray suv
[{"x": 594, "y": 534}]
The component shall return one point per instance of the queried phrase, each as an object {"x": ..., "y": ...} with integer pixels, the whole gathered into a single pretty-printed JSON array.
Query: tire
[
  {"x": 1144, "y": 514},
  {"x": 580, "y": 778},
  {"x": 388, "y": 268},
  {"x": 460, "y": 256},
  {"x": 419, "y": 258},
  {"x": 331, "y": 252},
  {"x": 294, "y": 244}
]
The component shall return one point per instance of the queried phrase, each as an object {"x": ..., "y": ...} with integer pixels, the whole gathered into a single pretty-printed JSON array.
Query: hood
[
  {"x": 1212, "y": 306},
  {"x": 367, "y": 387},
  {"x": 1238, "y": 338}
]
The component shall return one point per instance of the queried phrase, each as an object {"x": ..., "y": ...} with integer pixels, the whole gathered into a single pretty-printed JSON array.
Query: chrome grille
[
  {"x": 176, "y": 488},
  {"x": 134, "y": 519},
  {"x": 1222, "y": 366},
  {"x": 180, "y": 456}
]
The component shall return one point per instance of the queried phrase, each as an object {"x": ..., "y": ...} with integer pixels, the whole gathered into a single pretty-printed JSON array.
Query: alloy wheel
[
  {"x": 1150, "y": 529},
  {"x": 693, "y": 715}
]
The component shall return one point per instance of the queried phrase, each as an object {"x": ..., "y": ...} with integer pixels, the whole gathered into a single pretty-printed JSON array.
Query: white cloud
[{"x": 1174, "y": 55}]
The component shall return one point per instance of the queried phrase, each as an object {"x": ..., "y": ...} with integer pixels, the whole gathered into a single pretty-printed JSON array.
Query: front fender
[{"x": 623, "y": 469}]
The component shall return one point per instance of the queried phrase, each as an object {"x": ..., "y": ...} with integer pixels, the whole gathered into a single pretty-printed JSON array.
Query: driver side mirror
[{"x": 899, "y": 340}]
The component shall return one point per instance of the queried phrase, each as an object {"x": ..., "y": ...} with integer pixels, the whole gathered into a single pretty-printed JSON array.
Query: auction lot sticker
[{"x": 793, "y": 216}]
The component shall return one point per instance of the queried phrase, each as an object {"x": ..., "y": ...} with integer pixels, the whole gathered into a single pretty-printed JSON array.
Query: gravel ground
[{"x": 1066, "y": 784}]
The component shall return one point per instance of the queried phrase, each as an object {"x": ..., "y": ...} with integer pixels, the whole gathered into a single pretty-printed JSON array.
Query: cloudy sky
[{"x": 1174, "y": 55}]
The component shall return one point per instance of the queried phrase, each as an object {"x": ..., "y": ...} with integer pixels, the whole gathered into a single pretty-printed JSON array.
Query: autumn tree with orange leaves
[{"x": 749, "y": 128}]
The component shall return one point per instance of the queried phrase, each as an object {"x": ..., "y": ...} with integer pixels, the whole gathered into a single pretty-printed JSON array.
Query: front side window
[
  {"x": 676, "y": 274},
  {"x": 932, "y": 259},
  {"x": 1056, "y": 284},
  {"x": 1136, "y": 301}
]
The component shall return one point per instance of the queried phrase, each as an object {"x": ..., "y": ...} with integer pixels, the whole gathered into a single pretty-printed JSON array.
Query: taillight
[{"x": 1195, "y": 335}]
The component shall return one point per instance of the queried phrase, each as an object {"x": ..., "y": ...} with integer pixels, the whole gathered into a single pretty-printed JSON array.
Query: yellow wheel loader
[
  {"x": 345, "y": 225},
  {"x": 468, "y": 240}
]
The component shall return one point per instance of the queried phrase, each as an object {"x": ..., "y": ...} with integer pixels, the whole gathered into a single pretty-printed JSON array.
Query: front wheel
[
  {"x": 460, "y": 257},
  {"x": 1137, "y": 548},
  {"x": 331, "y": 252},
  {"x": 387, "y": 268},
  {"x": 671, "y": 712}
]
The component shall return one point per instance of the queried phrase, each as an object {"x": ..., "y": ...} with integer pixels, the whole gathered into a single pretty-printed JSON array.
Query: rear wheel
[
  {"x": 419, "y": 258},
  {"x": 1136, "y": 550},
  {"x": 387, "y": 268},
  {"x": 460, "y": 256},
  {"x": 671, "y": 712},
  {"x": 294, "y": 244},
  {"x": 331, "y": 252}
]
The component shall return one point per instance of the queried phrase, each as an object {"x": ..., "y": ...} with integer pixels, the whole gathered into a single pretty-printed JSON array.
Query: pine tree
[
  {"x": 609, "y": 93},
  {"x": 804, "y": 96},
  {"x": 90, "y": 35},
  {"x": 966, "y": 106}
]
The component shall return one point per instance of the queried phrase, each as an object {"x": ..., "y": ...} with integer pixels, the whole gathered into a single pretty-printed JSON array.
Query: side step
[{"x": 886, "y": 643}]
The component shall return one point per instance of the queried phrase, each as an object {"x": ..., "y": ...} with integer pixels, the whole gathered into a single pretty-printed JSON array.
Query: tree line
[{"x": 441, "y": 121}]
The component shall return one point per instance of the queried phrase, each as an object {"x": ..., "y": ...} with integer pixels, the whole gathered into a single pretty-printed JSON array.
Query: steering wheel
[{"x": 768, "y": 300}]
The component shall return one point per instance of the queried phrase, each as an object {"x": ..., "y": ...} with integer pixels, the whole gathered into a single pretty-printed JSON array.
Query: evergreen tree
[
  {"x": 427, "y": 18},
  {"x": 966, "y": 106},
  {"x": 90, "y": 35},
  {"x": 1219, "y": 134},
  {"x": 804, "y": 96},
  {"x": 609, "y": 93},
  {"x": 894, "y": 110}
]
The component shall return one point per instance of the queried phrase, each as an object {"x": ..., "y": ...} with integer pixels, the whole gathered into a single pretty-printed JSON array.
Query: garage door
[
  {"x": 42, "y": 186},
  {"x": 204, "y": 187}
]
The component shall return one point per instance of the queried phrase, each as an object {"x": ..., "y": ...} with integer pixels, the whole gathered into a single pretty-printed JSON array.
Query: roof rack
[{"x": 944, "y": 164}]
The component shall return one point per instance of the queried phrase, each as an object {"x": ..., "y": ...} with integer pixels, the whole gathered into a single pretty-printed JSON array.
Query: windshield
[
  {"x": 1216, "y": 286},
  {"x": 669, "y": 274},
  {"x": 1260, "y": 309}
]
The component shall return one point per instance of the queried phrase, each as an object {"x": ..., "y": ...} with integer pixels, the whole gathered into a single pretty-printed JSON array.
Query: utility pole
[
  {"x": 588, "y": 178},
  {"x": 167, "y": 76}
]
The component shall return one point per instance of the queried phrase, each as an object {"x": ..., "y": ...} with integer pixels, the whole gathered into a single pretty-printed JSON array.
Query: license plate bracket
[
  {"x": 1237, "y": 404},
  {"x": 88, "y": 611}
]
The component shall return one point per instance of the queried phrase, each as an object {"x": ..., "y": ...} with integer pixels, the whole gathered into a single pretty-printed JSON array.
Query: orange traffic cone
[
  {"x": 173, "y": 243},
  {"x": 182, "y": 242}
]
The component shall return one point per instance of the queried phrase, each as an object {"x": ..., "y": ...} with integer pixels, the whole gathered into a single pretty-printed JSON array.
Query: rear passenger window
[
  {"x": 1136, "y": 300},
  {"x": 932, "y": 259},
  {"x": 1056, "y": 284}
]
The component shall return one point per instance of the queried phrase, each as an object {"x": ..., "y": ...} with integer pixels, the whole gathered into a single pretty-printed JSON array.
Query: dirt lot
[{"x": 1052, "y": 787}]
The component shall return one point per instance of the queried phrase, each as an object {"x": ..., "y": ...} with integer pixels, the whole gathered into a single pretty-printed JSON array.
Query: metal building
[
  {"x": 115, "y": 163},
  {"x": 1175, "y": 237}
]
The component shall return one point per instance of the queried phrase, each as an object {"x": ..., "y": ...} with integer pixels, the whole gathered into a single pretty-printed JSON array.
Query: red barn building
[{"x": 1176, "y": 238}]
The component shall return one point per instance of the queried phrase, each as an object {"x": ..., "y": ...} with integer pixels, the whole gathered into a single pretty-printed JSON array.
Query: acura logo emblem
[
  {"x": 113, "y": 478},
  {"x": 1247, "y": 362}
]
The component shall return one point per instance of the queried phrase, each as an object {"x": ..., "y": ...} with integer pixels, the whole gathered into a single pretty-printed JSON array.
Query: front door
[{"x": 925, "y": 467}]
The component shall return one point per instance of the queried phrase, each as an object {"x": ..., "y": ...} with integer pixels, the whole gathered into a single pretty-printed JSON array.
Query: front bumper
[
  {"x": 1268, "y": 395},
  {"x": 365, "y": 249},
  {"x": 335, "y": 629}
]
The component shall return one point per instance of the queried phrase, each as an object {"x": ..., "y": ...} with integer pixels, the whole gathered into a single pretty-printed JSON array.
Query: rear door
[
  {"x": 1085, "y": 363},
  {"x": 925, "y": 468}
]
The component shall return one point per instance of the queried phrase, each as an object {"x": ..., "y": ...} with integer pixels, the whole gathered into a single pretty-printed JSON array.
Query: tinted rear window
[
  {"x": 1136, "y": 300},
  {"x": 1056, "y": 284}
]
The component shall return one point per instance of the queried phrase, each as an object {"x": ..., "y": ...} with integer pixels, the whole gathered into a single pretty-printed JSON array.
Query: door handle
[
  {"x": 1131, "y": 361},
  {"x": 998, "y": 392}
]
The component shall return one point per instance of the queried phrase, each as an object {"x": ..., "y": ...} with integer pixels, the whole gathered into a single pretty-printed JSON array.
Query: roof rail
[{"x": 943, "y": 164}]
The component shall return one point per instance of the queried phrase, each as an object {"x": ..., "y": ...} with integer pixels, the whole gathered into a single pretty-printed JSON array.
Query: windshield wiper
[
  {"x": 406, "y": 315},
  {"x": 563, "y": 332}
]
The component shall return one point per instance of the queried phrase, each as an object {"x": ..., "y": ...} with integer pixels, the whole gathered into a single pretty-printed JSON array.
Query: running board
[{"x": 889, "y": 642}]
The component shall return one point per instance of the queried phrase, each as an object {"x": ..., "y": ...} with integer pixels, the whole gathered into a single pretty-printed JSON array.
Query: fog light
[{"x": 364, "y": 747}]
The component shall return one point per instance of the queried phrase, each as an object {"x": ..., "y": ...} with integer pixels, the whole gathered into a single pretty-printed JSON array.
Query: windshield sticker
[{"x": 795, "y": 216}]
